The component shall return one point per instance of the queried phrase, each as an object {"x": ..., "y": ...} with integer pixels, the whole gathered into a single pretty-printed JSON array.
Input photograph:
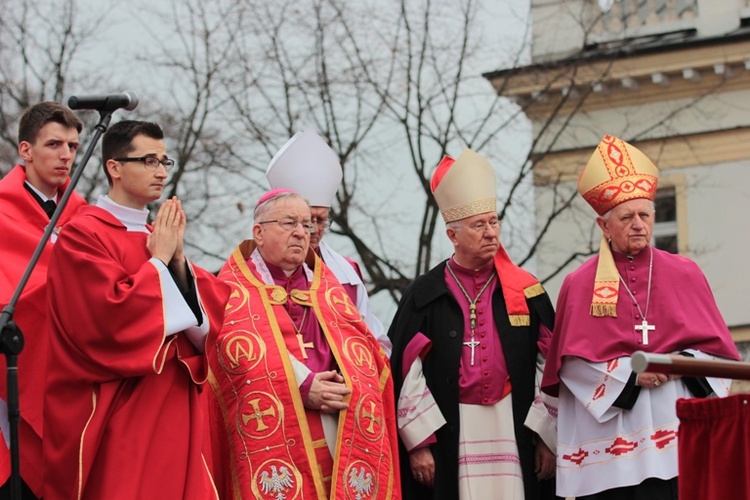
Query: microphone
[{"x": 127, "y": 100}]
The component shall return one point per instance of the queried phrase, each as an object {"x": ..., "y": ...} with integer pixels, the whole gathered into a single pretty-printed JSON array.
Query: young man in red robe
[
  {"x": 48, "y": 142},
  {"x": 303, "y": 403},
  {"x": 129, "y": 315}
]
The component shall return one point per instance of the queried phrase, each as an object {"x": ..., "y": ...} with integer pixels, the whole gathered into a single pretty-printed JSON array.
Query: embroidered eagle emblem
[
  {"x": 360, "y": 482},
  {"x": 277, "y": 483}
]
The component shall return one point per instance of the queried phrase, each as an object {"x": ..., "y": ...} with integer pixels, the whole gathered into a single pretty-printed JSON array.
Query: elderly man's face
[
  {"x": 477, "y": 240},
  {"x": 629, "y": 226},
  {"x": 320, "y": 219},
  {"x": 278, "y": 245}
]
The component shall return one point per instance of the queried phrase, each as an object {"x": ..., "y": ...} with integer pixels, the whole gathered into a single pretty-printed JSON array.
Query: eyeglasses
[
  {"x": 321, "y": 222},
  {"x": 150, "y": 162},
  {"x": 290, "y": 225}
]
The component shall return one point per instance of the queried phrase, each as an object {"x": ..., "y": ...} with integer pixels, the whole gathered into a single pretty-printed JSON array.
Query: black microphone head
[
  {"x": 126, "y": 100},
  {"x": 133, "y": 103}
]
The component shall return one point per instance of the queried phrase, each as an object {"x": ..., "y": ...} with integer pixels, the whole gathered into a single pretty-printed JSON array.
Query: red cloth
[
  {"x": 22, "y": 223},
  {"x": 123, "y": 410},
  {"x": 262, "y": 439},
  {"x": 681, "y": 306},
  {"x": 714, "y": 455}
]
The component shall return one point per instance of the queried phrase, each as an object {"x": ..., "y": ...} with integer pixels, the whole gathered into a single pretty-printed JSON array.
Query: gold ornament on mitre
[
  {"x": 464, "y": 187},
  {"x": 615, "y": 173}
]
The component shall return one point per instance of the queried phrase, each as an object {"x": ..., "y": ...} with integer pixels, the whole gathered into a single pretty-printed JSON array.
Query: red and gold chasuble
[{"x": 264, "y": 447}]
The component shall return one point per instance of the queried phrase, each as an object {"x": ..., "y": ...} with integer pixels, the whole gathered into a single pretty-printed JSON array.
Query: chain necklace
[
  {"x": 644, "y": 327},
  {"x": 472, "y": 308},
  {"x": 302, "y": 344}
]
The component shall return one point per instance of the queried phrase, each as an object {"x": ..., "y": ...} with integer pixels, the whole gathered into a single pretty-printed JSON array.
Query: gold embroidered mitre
[
  {"x": 615, "y": 173},
  {"x": 464, "y": 187}
]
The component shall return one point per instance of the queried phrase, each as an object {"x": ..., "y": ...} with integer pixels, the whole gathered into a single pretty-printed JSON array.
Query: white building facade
[{"x": 672, "y": 77}]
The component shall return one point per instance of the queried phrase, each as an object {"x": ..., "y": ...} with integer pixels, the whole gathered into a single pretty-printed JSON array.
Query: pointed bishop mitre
[
  {"x": 617, "y": 172},
  {"x": 464, "y": 187},
  {"x": 307, "y": 165}
]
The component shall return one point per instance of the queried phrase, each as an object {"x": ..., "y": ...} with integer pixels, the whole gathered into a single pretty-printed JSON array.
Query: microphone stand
[{"x": 11, "y": 337}]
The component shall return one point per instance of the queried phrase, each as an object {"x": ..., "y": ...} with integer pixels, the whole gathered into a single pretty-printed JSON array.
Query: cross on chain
[
  {"x": 472, "y": 343},
  {"x": 472, "y": 323},
  {"x": 304, "y": 346},
  {"x": 472, "y": 309},
  {"x": 644, "y": 327}
]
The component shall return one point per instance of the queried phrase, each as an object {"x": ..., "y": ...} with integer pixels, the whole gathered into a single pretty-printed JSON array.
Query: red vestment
[
  {"x": 262, "y": 438},
  {"x": 22, "y": 223},
  {"x": 124, "y": 413},
  {"x": 714, "y": 453}
]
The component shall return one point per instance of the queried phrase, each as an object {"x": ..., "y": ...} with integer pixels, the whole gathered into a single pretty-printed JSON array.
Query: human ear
[
  {"x": 258, "y": 234},
  {"x": 604, "y": 226},
  {"x": 24, "y": 151},
  {"x": 113, "y": 167}
]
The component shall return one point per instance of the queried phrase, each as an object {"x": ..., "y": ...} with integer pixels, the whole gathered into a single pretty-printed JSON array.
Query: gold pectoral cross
[{"x": 304, "y": 346}]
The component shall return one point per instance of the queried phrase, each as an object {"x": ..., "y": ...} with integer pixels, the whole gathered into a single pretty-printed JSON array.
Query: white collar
[
  {"x": 134, "y": 220},
  {"x": 43, "y": 196}
]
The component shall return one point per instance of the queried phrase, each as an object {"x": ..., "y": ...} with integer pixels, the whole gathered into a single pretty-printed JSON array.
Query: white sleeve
[
  {"x": 417, "y": 413},
  {"x": 178, "y": 314},
  {"x": 301, "y": 371},
  {"x": 542, "y": 416},
  {"x": 597, "y": 385}
]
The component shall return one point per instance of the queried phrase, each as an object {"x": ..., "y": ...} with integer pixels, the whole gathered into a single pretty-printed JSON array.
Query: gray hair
[
  {"x": 262, "y": 208},
  {"x": 607, "y": 214},
  {"x": 454, "y": 224}
]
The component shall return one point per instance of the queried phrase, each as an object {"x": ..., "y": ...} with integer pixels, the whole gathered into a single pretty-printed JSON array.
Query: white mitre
[{"x": 307, "y": 165}]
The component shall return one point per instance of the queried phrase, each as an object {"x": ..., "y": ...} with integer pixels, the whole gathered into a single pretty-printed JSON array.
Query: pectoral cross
[
  {"x": 644, "y": 327},
  {"x": 304, "y": 346},
  {"x": 472, "y": 343}
]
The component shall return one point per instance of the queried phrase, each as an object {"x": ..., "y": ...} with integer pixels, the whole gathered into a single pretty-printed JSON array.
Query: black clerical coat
[{"x": 428, "y": 307}]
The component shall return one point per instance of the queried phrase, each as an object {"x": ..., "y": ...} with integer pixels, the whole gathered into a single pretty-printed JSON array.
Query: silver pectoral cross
[
  {"x": 472, "y": 343},
  {"x": 644, "y": 327}
]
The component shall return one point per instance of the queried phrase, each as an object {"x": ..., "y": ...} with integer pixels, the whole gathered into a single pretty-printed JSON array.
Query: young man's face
[
  {"x": 134, "y": 185},
  {"x": 50, "y": 157}
]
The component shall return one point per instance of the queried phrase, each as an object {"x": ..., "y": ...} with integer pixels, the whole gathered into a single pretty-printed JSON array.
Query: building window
[{"x": 665, "y": 221}]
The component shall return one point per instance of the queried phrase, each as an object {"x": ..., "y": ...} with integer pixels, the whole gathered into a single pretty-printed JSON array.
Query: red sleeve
[{"x": 105, "y": 303}]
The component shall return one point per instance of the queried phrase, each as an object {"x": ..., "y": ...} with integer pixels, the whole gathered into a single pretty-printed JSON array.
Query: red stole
[{"x": 265, "y": 440}]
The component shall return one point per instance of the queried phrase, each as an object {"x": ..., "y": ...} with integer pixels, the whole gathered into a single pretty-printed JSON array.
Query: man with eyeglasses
[
  {"x": 47, "y": 145},
  {"x": 471, "y": 419},
  {"x": 129, "y": 317},
  {"x": 307, "y": 165},
  {"x": 303, "y": 398}
]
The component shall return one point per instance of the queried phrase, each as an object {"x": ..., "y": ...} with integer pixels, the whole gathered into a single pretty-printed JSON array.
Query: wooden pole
[{"x": 683, "y": 365}]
